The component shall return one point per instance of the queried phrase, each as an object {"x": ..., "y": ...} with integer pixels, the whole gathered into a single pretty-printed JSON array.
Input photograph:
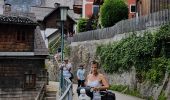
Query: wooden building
[
  {"x": 77, "y": 7},
  {"x": 22, "y": 55},
  {"x": 52, "y": 20},
  {"x": 145, "y": 7}
]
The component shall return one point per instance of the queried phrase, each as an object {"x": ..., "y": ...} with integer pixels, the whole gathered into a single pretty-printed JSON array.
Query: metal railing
[
  {"x": 66, "y": 90},
  {"x": 124, "y": 26}
]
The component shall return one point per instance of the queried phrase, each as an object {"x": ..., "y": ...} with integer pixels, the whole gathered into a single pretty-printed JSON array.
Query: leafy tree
[{"x": 113, "y": 11}]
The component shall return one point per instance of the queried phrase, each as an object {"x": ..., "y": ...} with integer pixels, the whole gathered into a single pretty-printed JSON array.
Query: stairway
[
  {"x": 50, "y": 95},
  {"x": 51, "y": 91}
]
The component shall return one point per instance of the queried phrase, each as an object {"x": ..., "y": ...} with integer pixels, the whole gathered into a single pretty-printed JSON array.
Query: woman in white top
[
  {"x": 66, "y": 67},
  {"x": 96, "y": 80}
]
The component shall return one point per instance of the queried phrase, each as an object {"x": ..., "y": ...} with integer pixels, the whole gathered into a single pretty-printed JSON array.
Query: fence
[
  {"x": 66, "y": 91},
  {"x": 124, "y": 26}
]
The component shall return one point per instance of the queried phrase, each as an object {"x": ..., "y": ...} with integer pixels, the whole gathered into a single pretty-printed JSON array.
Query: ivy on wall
[{"x": 147, "y": 53}]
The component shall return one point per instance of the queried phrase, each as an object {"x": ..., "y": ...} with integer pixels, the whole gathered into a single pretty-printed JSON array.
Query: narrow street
[{"x": 54, "y": 86}]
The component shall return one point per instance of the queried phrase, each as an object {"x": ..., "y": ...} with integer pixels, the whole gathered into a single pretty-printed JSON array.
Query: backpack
[{"x": 72, "y": 76}]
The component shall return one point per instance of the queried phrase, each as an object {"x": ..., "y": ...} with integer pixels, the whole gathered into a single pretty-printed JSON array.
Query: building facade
[
  {"x": 132, "y": 8},
  {"x": 22, "y": 56},
  {"x": 145, "y": 7},
  {"x": 19, "y": 50},
  {"x": 87, "y": 8}
]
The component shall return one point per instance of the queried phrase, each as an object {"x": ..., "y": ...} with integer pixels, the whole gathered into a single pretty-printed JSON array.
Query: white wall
[{"x": 46, "y": 33}]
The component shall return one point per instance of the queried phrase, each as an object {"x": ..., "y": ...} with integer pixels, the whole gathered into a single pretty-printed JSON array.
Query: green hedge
[{"x": 146, "y": 53}]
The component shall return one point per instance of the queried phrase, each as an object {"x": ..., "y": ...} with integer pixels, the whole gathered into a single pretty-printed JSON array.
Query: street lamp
[{"x": 63, "y": 15}]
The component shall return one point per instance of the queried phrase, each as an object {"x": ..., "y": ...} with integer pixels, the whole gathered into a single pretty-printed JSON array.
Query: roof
[
  {"x": 50, "y": 3},
  {"x": 57, "y": 8},
  {"x": 16, "y": 20},
  {"x": 70, "y": 14},
  {"x": 39, "y": 44},
  {"x": 73, "y": 15},
  {"x": 41, "y": 12},
  {"x": 50, "y": 31},
  {"x": 48, "y": 7},
  {"x": 78, "y": 2},
  {"x": 78, "y": 6}
]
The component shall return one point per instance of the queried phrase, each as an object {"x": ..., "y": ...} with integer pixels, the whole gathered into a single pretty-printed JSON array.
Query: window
[
  {"x": 132, "y": 8},
  {"x": 95, "y": 9},
  {"x": 21, "y": 36},
  {"x": 30, "y": 80}
]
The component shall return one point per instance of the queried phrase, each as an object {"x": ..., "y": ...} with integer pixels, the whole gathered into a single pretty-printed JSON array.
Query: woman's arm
[
  {"x": 104, "y": 83},
  {"x": 61, "y": 66}
]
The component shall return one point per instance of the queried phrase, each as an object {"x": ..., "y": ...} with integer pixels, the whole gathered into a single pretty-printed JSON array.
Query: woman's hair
[{"x": 95, "y": 62}]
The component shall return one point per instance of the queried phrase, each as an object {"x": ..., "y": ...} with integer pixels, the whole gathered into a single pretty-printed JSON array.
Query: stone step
[
  {"x": 50, "y": 94},
  {"x": 50, "y": 98}
]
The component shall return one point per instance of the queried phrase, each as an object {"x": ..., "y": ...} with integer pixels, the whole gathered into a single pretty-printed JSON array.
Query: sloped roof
[
  {"x": 78, "y": 2},
  {"x": 77, "y": 6},
  {"x": 16, "y": 20},
  {"x": 70, "y": 14},
  {"x": 73, "y": 15},
  {"x": 41, "y": 12},
  {"x": 50, "y": 3},
  {"x": 39, "y": 44}
]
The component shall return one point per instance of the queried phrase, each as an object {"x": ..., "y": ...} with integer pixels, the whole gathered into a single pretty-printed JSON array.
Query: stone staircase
[
  {"x": 51, "y": 91},
  {"x": 50, "y": 95}
]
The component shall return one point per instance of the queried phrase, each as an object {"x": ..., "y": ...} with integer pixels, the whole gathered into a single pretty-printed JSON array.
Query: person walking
[
  {"x": 66, "y": 67},
  {"x": 96, "y": 80},
  {"x": 81, "y": 75}
]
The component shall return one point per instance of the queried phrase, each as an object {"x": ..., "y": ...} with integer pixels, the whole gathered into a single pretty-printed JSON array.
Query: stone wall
[
  {"x": 53, "y": 70},
  {"x": 84, "y": 52}
]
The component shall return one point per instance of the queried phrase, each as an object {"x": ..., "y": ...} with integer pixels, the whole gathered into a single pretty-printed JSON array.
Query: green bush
[
  {"x": 125, "y": 90},
  {"x": 113, "y": 11},
  {"x": 146, "y": 53},
  {"x": 162, "y": 96},
  {"x": 118, "y": 88},
  {"x": 67, "y": 50},
  {"x": 158, "y": 69},
  {"x": 87, "y": 24},
  {"x": 82, "y": 25}
]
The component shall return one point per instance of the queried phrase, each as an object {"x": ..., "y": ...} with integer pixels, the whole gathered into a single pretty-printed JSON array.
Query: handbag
[
  {"x": 72, "y": 76},
  {"x": 107, "y": 95}
]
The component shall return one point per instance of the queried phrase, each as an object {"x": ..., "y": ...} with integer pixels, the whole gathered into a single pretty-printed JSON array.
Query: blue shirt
[{"x": 80, "y": 74}]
